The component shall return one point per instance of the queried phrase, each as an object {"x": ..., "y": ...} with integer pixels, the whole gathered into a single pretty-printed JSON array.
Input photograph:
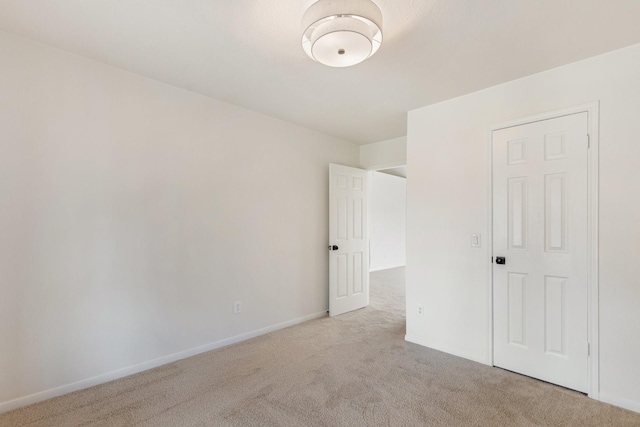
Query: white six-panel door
[
  {"x": 348, "y": 244},
  {"x": 540, "y": 293}
]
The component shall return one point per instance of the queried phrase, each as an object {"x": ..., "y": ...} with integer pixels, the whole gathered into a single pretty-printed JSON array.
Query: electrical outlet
[
  {"x": 421, "y": 310},
  {"x": 237, "y": 307}
]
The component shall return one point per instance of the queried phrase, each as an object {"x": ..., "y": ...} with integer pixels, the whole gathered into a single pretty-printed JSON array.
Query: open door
[{"x": 348, "y": 243}]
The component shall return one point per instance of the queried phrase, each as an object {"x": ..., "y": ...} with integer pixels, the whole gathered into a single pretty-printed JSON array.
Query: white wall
[
  {"x": 447, "y": 202},
  {"x": 135, "y": 213},
  {"x": 384, "y": 154},
  {"x": 387, "y": 221}
]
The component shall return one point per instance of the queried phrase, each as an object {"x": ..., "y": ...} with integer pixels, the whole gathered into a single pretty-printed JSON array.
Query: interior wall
[
  {"x": 387, "y": 221},
  {"x": 384, "y": 154},
  {"x": 134, "y": 214},
  {"x": 447, "y": 202}
]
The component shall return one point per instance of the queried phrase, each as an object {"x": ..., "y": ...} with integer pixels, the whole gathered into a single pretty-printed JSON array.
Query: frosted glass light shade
[{"x": 341, "y": 33}]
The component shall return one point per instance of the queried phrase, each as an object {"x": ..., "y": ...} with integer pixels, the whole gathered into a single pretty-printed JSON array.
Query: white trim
[
  {"x": 593, "y": 111},
  {"x": 489, "y": 249},
  {"x": 622, "y": 403},
  {"x": 387, "y": 268},
  {"x": 456, "y": 351},
  {"x": 130, "y": 370}
]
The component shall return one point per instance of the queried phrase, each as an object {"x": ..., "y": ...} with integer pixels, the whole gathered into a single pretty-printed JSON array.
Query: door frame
[{"x": 593, "y": 113}]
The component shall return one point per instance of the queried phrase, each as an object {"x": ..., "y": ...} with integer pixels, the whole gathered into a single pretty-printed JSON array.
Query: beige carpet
[{"x": 352, "y": 370}]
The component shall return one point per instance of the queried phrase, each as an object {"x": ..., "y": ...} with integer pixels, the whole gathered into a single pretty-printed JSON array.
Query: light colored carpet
[{"x": 351, "y": 370}]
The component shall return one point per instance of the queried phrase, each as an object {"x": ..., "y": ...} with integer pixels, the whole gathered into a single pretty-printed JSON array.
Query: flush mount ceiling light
[{"x": 341, "y": 33}]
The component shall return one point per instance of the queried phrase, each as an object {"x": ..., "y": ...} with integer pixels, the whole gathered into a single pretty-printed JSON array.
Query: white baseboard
[
  {"x": 623, "y": 403},
  {"x": 446, "y": 349},
  {"x": 387, "y": 268},
  {"x": 130, "y": 370}
]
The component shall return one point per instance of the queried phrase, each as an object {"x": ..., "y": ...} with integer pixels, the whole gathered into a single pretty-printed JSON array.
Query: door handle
[
  {"x": 333, "y": 248},
  {"x": 501, "y": 260}
]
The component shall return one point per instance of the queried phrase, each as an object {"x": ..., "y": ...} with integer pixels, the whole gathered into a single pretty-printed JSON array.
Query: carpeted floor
[{"x": 351, "y": 370}]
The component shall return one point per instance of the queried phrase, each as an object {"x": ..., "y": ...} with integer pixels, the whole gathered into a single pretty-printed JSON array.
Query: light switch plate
[{"x": 476, "y": 240}]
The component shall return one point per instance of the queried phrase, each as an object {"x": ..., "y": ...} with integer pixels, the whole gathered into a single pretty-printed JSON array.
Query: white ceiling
[{"x": 247, "y": 52}]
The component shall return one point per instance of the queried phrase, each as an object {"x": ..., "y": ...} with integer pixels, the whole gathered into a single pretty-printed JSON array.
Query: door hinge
[
  {"x": 588, "y": 349},
  {"x": 588, "y": 141},
  {"x": 491, "y": 260}
]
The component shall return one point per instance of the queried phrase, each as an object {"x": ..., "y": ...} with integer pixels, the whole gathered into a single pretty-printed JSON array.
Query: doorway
[
  {"x": 387, "y": 218},
  {"x": 350, "y": 193}
]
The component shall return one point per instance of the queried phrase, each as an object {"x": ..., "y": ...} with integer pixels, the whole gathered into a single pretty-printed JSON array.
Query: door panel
[
  {"x": 517, "y": 294},
  {"x": 349, "y": 264},
  {"x": 540, "y": 226}
]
